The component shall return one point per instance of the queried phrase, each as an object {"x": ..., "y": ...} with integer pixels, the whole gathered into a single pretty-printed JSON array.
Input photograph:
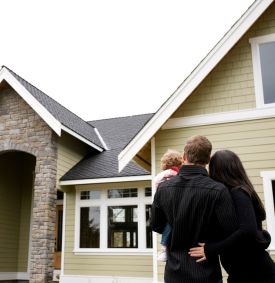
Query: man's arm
[{"x": 158, "y": 218}]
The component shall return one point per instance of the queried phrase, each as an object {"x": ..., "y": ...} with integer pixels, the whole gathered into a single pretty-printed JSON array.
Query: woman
[{"x": 243, "y": 253}]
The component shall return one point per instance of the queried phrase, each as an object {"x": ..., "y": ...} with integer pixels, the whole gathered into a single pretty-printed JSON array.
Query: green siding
[
  {"x": 253, "y": 141},
  {"x": 230, "y": 86},
  {"x": 16, "y": 183},
  {"x": 97, "y": 265},
  {"x": 70, "y": 151}
]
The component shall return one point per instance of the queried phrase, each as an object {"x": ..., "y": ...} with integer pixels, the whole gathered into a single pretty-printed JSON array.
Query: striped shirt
[{"x": 198, "y": 210}]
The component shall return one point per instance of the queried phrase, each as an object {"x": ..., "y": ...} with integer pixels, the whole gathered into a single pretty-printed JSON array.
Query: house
[{"x": 104, "y": 170}]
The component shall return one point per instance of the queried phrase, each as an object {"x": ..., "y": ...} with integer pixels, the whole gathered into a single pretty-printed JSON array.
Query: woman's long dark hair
[{"x": 226, "y": 167}]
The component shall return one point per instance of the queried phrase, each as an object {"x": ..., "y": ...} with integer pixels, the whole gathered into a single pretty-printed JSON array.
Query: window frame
[
  {"x": 257, "y": 72},
  {"x": 141, "y": 201},
  {"x": 268, "y": 177}
]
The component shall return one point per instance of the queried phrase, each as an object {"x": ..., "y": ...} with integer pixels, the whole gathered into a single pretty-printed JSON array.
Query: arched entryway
[{"x": 16, "y": 202}]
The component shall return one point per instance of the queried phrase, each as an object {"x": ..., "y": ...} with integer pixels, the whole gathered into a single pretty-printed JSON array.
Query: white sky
[{"x": 104, "y": 59}]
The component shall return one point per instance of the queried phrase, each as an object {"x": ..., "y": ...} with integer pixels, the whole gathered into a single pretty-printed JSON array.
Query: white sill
[
  {"x": 113, "y": 252},
  {"x": 268, "y": 105}
]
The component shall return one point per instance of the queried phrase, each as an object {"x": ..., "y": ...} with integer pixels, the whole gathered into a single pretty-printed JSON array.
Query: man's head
[{"x": 197, "y": 151}]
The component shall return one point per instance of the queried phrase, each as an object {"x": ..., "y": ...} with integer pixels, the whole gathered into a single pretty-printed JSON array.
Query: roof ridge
[
  {"x": 47, "y": 95},
  {"x": 120, "y": 117}
]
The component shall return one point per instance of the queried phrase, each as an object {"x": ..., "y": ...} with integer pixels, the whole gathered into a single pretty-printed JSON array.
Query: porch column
[{"x": 44, "y": 214}]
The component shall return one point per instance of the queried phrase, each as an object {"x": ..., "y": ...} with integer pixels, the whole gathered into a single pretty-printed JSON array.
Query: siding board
[
  {"x": 253, "y": 141},
  {"x": 230, "y": 86}
]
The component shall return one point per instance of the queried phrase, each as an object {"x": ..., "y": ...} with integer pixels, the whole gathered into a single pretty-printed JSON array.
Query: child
[{"x": 170, "y": 164}]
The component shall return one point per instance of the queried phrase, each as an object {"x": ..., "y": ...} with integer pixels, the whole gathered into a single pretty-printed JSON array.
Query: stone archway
[
  {"x": 22, "y": 129},
  {"x": 16, "y": 198}
]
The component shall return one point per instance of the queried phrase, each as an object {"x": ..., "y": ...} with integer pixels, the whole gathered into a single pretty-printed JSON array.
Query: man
[{"x": 199, "y": 210}]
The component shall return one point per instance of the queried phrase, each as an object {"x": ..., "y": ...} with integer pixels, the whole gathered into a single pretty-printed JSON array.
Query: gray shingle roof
[
  {"x": 62, "y": 114},
  {"x": 116, "y": 133}
]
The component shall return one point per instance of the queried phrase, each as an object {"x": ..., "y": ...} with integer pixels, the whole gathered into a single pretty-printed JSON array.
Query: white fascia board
[
  {"x": 29, "y": 98},
  {"x": 219, "y": 118},
  {"x": 66, "y": 129},
  {"x": 101, "y": 139},
  {"x": 195, "y": 78},
  {"x": 106, "y": 180}
]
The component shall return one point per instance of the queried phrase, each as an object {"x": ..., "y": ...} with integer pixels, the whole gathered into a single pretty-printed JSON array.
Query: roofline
[
  {"x": 192, "y": 82},
  {"x": 66, "y": 129},
  {"x": 30, "y": 99},
  {"x": 55, "y": 125},
  {"x": 106, "y": 180}
]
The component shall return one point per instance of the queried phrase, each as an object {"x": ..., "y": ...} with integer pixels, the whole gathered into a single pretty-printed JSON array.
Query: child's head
[{"x": 171, "y": 158}]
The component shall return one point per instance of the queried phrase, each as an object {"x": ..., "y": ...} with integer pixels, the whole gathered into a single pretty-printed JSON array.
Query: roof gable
[
  {"x": 54, "y": 114},
  {"x": 194, "y": 79},
  {"x": 117, "y": 133}
]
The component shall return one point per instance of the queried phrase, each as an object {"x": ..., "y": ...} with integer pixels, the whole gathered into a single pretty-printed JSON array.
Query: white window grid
[
  {"x": 141, "y": 201},
  {"x": 256, "y": 61},
  {"x": 268, "y": 177}
]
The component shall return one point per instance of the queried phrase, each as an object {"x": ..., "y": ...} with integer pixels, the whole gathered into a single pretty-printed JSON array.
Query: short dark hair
[{"x": 198, "y": 149}]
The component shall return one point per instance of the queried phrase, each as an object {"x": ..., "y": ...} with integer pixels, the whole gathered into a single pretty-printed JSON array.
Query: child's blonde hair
[{"x": 171, "y": 158}]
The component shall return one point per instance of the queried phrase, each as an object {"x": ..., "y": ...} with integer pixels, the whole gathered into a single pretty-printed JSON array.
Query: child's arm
[{"x": 165, "y": 174}]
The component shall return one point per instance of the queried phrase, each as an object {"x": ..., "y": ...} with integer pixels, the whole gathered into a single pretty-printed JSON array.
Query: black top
[
  {"x": 243, "y": 254},
  {"x": 198, "y": 210}
]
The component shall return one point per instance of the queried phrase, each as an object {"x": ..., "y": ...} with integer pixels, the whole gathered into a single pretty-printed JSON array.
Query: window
[
  {"x": 263, "y": 57},
  {"x": 123, "y": 193},
  {"x": 149, "y": 232},
  {"x": 90, "y": 195},
  {"x": 89, "y": 227},
  {"x": 113, "y": 220},
  {"x": 269, "y": 196},
  {"x": 122, "y": 226},
  {"x": 148, "y": 192}
]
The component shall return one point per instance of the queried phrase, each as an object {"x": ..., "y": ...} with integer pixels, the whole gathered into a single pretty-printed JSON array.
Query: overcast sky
[{"x": 104, "y": 59}]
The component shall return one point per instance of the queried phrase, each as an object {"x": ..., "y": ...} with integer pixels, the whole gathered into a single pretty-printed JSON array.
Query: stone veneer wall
[{"x": 21, "y": 128}]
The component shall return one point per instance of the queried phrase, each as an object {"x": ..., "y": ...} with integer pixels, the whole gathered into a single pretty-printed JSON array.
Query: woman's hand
[{"x": 198, "y": 252}]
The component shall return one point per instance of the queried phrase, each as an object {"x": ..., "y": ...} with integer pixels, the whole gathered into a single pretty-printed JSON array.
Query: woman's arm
[{"x": 246, "y": 234}]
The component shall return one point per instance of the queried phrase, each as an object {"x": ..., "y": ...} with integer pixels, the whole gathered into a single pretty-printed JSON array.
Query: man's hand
[{"x": 198, "y": 252}]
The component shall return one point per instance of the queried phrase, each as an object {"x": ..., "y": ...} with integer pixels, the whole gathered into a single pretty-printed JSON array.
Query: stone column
[{"x": 44, "y": 214}]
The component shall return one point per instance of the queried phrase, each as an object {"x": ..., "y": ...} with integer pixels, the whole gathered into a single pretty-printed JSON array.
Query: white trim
[
  {"x": 14, "y": 276},
  {"x": 38, "y": 107},
  {"x": 218, "y": 118},
  {"x": 103, "y": 279},
  {"x": 145, "y": 252},
  {"x": 63, "y": 233},
  {"x": 29, "y": 98},
  {"x": 101, "y": 139},
  {"x": 257, "y": 71},
  {"x": 268, "y": 177},
  {"x": 66, "y": 129},
  {"x": 106, "y": 180},
  {"x": 55, "y": 273},
  {"x": 195, "y": 78},
  {"x": 153, "y": 168}
]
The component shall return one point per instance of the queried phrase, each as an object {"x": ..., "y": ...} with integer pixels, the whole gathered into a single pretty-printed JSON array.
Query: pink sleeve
[{"x": 162, "y": 176}]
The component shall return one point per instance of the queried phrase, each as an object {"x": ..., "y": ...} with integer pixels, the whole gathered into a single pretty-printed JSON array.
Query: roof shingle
[{"x": 62, "y": 114}]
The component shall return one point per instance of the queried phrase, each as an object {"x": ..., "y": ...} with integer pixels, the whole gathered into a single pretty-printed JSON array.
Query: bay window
[{"x": 113, "y": 220}]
